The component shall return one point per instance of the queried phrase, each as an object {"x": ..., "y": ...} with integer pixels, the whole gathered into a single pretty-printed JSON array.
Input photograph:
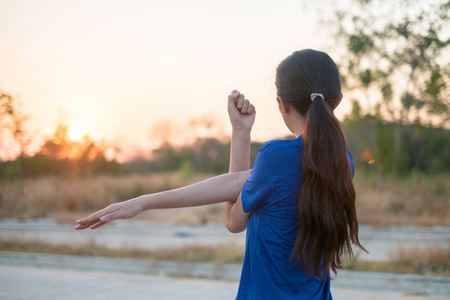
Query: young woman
[{"x": 298, "y": 201}]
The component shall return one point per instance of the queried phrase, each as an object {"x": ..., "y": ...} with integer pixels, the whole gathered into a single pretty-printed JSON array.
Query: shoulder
[
  {"x": 279, "y": 146},
  {"x": 281, "y": 155}
]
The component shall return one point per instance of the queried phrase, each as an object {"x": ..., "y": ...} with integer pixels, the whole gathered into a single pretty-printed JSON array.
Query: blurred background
[{"x": 103, "y": 101}]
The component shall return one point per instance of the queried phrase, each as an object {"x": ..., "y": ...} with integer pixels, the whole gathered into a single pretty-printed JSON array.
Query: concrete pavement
[
  {"x": 413, "y": 284},
  {"x": 18, "y": 283},
  {"x": 170, "y": 272}
]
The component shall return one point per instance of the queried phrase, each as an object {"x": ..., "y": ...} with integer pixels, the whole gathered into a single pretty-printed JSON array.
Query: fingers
[
  {"x": 84, "y": 226},
  {"x": 244, "y": 105},
  {"x": 251, "y": 109},
  {"x": 97, "y": 225},
  {"x": 86, "y": 222},
  {"x": 109, "y": 217},
  {"x": 93, "y": 225},
  {"x": 232, "y": 100},
  {"x": 240, "y": 102},
  {"x": 104, "y": 219},
  {"x": 93, "y": 217},
  {"x": 234, "y": 94},
  {"x": 96, "y": 217}
]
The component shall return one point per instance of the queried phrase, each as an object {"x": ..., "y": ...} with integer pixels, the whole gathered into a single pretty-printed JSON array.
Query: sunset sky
[{"x": 115, "y": 69}]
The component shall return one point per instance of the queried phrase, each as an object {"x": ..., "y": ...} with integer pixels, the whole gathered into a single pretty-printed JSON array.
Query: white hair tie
[{"x": 314, "y": 95}]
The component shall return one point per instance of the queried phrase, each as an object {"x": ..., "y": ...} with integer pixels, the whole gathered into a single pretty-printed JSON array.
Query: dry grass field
[{"x": 416, "y": 200}]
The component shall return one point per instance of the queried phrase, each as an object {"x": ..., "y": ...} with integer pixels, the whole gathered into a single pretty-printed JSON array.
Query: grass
[
  {"x": 426, "y": 261},
  {"x": 67, "y": 199},
  {"x": 429, "y": 261},
  {"x": 433, "y": 260},
  {"x": 416, "y": 200},
  {"x": 219, "y": 253}
]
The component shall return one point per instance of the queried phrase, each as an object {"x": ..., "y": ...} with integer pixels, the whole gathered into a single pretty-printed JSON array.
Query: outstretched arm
[
  {"x": 222, "y": 188},
  {"x": 242, "y": 116}
]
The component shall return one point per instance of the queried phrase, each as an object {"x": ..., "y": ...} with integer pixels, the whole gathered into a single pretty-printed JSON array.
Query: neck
[
  {"x": 298, "y": 130},
  {"x": 295, "y": 125}
]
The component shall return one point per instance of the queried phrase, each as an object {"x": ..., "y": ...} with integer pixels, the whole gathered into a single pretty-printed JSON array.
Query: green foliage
[
  {"x": 421, "y": 148},
  {"x": 399, "y": 56},
  {"x": 187, "y": 169},
  {"x": 206, "y": 155},
  {"x": 13, "y": 138},
  {"x": 359, "y": 43},
  {"x": 40, "y": 165}
]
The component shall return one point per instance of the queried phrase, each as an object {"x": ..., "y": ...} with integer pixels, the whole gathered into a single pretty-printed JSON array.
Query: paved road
[
  {"x": 147, "y": 235},
  {"x": 37, "y": 284},
  {"x": 413, "y": 284}
]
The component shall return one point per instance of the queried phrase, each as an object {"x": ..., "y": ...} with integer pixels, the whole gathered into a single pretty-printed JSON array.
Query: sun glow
[{"x": 77, "y": 131}]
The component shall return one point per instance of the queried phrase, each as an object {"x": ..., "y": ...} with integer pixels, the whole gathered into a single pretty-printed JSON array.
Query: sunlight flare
[{"x": 77, "y": 131}]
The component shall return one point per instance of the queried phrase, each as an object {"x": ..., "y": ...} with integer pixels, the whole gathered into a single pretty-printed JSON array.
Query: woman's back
[{"x": 271, "y": 194}]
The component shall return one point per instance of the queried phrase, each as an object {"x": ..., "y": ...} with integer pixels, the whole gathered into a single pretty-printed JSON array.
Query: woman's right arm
[
  {"x": 222, "y": 188},
  {"x": 242, "y": 116}
]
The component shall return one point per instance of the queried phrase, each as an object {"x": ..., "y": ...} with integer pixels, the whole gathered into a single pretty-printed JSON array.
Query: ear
[
  {"x": 283, "y": 106},
  {"x": 339, "y": 100}
]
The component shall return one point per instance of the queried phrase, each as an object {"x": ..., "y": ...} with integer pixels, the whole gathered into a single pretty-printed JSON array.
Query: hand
[
  {"x": 241, "y": 111},
  {"x": 122, "y": 210}
]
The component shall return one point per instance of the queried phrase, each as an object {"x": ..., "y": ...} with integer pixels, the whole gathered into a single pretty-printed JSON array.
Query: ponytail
[{"x": 326, "y": 202}]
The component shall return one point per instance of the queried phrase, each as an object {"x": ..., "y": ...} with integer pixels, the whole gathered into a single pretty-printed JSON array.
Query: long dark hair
[{"x": 326, "y": 202}]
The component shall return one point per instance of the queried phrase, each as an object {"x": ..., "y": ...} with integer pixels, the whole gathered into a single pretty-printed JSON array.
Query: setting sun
[{"x": 77, "y": 131}]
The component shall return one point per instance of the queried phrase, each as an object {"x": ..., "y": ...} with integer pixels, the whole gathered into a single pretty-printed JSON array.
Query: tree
[
  {"x": 397, "y": 54},
  {"x": 13, "y": 138},
  {"x": 75, "y": 158}
]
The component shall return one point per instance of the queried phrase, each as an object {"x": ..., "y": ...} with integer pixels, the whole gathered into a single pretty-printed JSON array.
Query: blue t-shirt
[{"x": 271, "y": 195}]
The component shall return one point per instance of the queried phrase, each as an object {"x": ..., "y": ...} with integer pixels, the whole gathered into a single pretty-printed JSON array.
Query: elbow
[
  {"x": 233, "y": 228},
  {"x": 230, "y": 227}
]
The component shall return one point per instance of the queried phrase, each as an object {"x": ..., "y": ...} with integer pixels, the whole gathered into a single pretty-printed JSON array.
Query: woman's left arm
[{"x": 223, "y": 188}]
